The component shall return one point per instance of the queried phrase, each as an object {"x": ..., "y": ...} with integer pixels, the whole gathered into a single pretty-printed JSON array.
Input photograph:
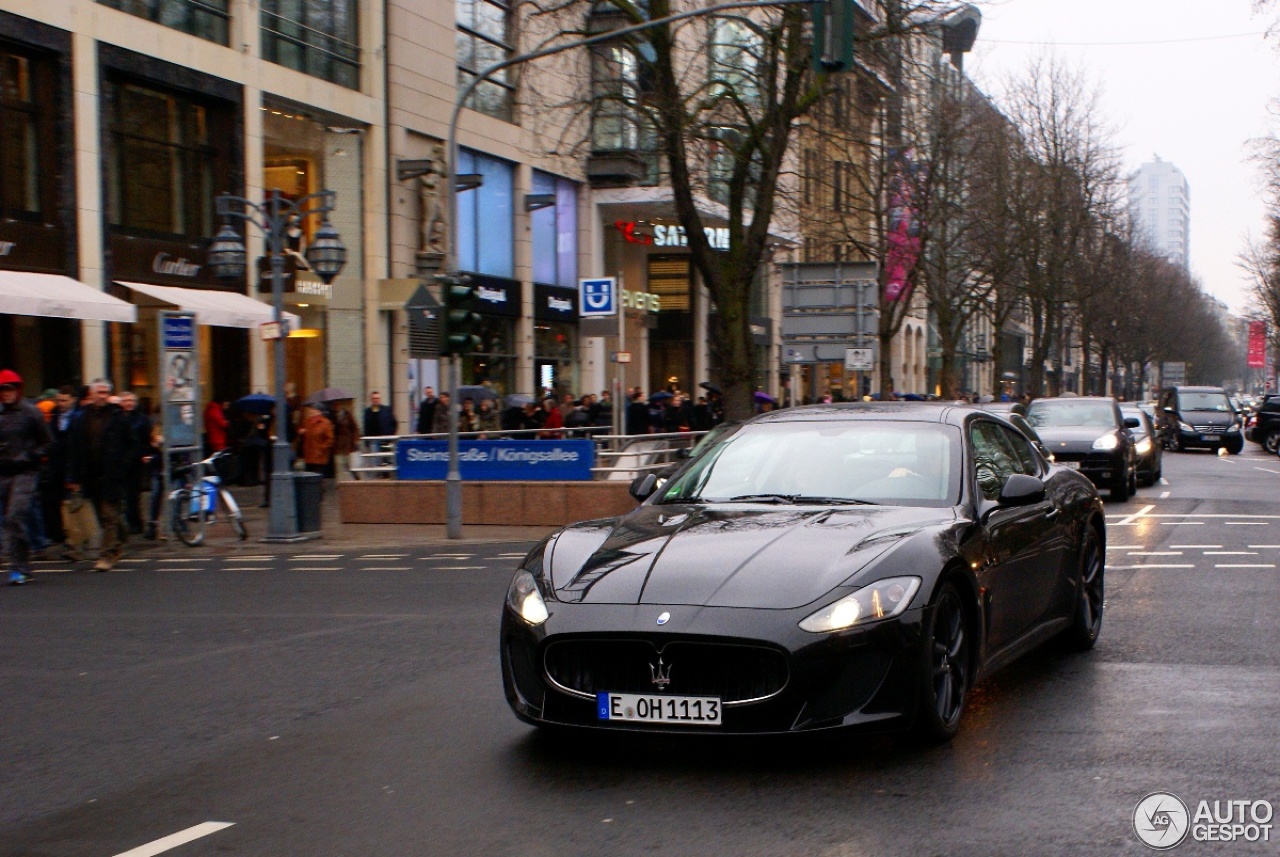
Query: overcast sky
[{"x": 1194, "y": 102}]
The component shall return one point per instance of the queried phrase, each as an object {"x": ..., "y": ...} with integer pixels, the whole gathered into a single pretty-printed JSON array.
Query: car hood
[
  {"x": 1071, "y": 434},
  {"x": 726, "y": 556},
  {"x": 1208, "y": 418}
]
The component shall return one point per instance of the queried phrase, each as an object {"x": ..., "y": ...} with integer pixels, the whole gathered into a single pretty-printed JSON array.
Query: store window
[
  {"x": 484, "y": 39},
  {"x": 671, "y": 345},
  {"x": 161, "y": 159},
  {"x": 494, "y": 363},
  {"x": 486, "y": 217},
  {"x": 204, "y": 18},
  {"x": 554, "y": 343},
  {"x": 554, "y": 232},
  {"x": 315, "y": 37},
  {"x": 25, "y": 132}
]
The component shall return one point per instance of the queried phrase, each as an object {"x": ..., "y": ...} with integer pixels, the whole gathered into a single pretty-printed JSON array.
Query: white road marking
[
  {"x": 315, "y": 568},
  {"x": 1155, "y": 553},
  {"x": 1230, "y": 553},
  {"x": 1264, "y": 546},
  {"x": 1137, "y": 514},
  {"x": 263, "y": 558},
  {"x": 1181, "y": 523},
  {"x": 51, "y": 570},
  {"x": 1127, "y": 547},
  {"x": 1196, "y": 547},
  {"x": 1245, "y": 523},
  {"x": 1267, "y": 469},
  {"x": 252, "y": 568},
  {"x": 172, "y": 559},
  {"x": 453, "y": 556},
  {"x": 1151, "y": 565},
  {"x": 302, "y": 557},
  {"x": 386, "y": 568},
  {"x": 1164, "y": 494},
  {"x": 1229, "y": 461},
  {"x": 182, "y": 837},
  {"x": 1200, "y": 515},
  {"x": 383, "y": 556},
  {"x": 1237, "y": 565},
  {"x": 512, "y": 555},
  {"x": 1164, "y": 481},
  {"x": 457, "y": 567}
]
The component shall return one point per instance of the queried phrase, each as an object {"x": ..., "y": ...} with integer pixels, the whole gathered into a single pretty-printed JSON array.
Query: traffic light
[
  {"x": 833, "y": 23},
  {"x": 460, "y": 317}
]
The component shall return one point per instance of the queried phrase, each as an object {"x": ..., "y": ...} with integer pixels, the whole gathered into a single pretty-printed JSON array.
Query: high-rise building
[{"x": 1160, "y": 204}]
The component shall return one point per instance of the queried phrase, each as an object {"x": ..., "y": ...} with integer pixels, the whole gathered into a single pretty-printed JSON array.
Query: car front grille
[
  {"x": 736, "y": 673},
  {"x": 1211, "y": 429}
]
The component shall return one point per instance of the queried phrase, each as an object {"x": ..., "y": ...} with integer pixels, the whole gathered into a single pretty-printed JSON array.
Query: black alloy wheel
[
  {"x": 1119, "y": 488},
  {"x": 1086, "y": 623},
  {"x": 1175, "y": 442},
  {"x": 1235, "y": 446},
  {"x": 948, "y": 668},
  {"x": 1271, "y": 443}
]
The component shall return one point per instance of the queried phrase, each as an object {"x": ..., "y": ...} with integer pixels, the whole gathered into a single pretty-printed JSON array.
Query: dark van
[{"x": 1198, "y": 417}]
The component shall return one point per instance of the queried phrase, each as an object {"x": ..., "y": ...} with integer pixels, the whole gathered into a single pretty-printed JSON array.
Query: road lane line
[
  {"x": 1264, "y": 546},
  {"x": 386, "y": 568},
  {"x": 1229, "y": 461},
  {"x": 1245, "y": 523},
  {"x": 1230, "y": 553},
  {"x": 182, "y": 837},
  {"x": 1198, "y": 547},
  {"x": 1267, "y": 469},
  {"x": 383, "y": 556},
  {"x": 1165, "y": 494},
  {"x": 1137, "y": 514},
  {"x": 1155, "y": 553},
  {"x": 303, "y": 557},
  {"x": 263, "y": 558},
  {"x": 1164, "y": 481},
  {"x": 1152, "y": 565},
  {"x": 38, "y": 570},
  {"x": 1245, "y": 565},
  {"x": 1128, "y": 547},
  {"x": 1181, "y": 523},
  {"x": 457, "y": 567},
  {"x": 315, "y": 568},
  {"x": 251, "y": 568}
]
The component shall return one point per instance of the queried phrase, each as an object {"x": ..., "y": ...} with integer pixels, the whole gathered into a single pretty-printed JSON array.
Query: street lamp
[{"x": 275, "y": 216}]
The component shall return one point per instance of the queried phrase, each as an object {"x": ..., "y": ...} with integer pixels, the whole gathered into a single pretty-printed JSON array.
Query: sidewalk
[{"x": 335, "y": 535}]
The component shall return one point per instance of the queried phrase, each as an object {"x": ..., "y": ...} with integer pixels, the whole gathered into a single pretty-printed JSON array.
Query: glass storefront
[
  {"x": 671, "y": 342},
  {"x": 555, "y": 352},
  {"x": 494, "y": 364}
]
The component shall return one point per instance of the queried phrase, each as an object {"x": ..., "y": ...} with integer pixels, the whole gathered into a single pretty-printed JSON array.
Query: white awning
[
  {"x": 56, "y": 296},
  {"x": 213, "y": 307}
]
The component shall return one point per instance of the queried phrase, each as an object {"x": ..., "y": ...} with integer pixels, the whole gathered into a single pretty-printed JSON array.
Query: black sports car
[{"x": 854, "y": 565}]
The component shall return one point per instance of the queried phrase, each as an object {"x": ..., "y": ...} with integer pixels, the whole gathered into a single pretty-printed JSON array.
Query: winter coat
[
  {"x": 344, "y": 432},
  {"x": 379, "y": 423},
  {"x": 215, "y": 426},
  {"x": 317, "y": 439},
  {"x": 24, "y": 438},
  {"x": 99, "y": 447}
]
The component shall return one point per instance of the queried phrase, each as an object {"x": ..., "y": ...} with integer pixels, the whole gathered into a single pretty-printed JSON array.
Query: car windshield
[
  {"x": 833, "y": 462},
  {"x": 1069, "y": 414},
  {"x": 1204, "y": 402}
]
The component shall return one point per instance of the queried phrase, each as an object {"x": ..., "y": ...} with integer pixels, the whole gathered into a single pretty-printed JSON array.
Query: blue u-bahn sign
[{"x": 498, "y": 460}]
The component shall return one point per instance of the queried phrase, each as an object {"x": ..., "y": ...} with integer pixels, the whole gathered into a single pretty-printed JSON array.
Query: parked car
[
  {"x": 1146, "y": 446},
  {"x": 1089, "y": 434},
  {"x": 837, "y": 566},
  {"x": 1199, "y": 417},
  {"x": 1264, "y": 426}
]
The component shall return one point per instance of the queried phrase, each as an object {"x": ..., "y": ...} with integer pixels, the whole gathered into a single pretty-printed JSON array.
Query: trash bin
[{"x": 307, "y": 488}]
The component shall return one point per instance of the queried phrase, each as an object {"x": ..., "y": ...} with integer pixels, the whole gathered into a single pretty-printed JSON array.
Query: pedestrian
[
  {"x": 99, "y": 447},
  {"x": 379, "y": 420},
  {"x": 345, "y": 441},
  {"x": 427, "y": 411},
  {"x": 316, "y": 436},
  {"x": 467, "y": 415},
  {"x": 153, "y": 464},
  {"x": 578, "y": 418},
  {"x": 601, "y": 410},
  {"x": 25, "y": 440},
  {"x": 487, "y": 420},
  {"x": 215, "y": 427},
  {"x": 637, "y": 414},
  {"x": 551, "y": 421},
  {"x": 135, "y": 467},
  {"x": 439, "y": 416}
]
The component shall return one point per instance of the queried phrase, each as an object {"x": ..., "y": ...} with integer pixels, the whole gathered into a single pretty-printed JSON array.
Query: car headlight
[
  {"x": 1233, "y": 428},
  {"x": 1107, "y": 441},
  {"x": 525, "y": 600},
  {"x": 1184, "y": 427},
  {"x": 883, "y": 599},
  {"x": 1143, "y": 446}
]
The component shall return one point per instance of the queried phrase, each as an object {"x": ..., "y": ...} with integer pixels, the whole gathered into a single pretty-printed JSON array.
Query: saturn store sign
[{"x": 664, "y": 235}]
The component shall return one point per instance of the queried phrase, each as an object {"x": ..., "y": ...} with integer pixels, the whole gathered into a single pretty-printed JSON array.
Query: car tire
[
  {"x": 1086, "y": 618},
  {"x": 1175, "y": 442},
  {"x": 1119, "y": 491},
  {"x": 946, "y": 667},
  {"x": 1133, "y": 481},
  {"x": 1235, "y": 446},
  {"x": 1271, "y": 443},
  {"x": 1148, "y": 480}
]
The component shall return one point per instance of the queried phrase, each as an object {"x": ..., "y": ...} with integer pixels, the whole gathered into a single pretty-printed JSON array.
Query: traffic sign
[
  {"x": 859, "y": 359},
  {"x": 179, "y": 331},
  {"x": 622, "y": 357},
  {"x": 597, "y": 297}
]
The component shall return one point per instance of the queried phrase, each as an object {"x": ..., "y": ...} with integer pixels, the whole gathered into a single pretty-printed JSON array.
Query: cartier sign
[{"x": 164, "y": 263}]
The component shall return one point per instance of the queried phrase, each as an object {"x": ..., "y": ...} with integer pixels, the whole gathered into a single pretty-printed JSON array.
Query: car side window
[
  {"x": 993, "y": 460},
  {"x": 1023, "y": 455}
]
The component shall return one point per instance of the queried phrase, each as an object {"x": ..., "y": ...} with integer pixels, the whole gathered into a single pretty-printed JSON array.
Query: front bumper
[
  {"x": 1100, "y": 467},
  {"x": 1207, "y": 437},
  {"x": 867, "y": 678}
]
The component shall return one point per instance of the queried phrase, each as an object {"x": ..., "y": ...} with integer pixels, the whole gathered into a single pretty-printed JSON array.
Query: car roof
[
  {"x": 932, "y": 412},
  {"x": 1074, "y": 399},
  {"x": 1198, "y": 389}
]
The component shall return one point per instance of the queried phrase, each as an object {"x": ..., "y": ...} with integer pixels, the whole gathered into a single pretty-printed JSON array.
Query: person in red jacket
[
  {"x": 215, "y": 426},
  {"x": 552, "y": 421}
]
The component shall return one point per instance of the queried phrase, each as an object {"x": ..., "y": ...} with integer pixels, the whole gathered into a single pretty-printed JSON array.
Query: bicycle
[{"x": 191, "y": 507}]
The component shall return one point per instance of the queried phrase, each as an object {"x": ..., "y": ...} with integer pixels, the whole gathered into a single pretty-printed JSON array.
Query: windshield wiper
[
  {"x": 759, "y": 498},
  {"x": 831, "y": 501},
  {"x": 794, "y": 499}
]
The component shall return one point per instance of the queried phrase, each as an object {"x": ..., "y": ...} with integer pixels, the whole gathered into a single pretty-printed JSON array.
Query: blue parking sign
[{"x": 597, "y": 297}]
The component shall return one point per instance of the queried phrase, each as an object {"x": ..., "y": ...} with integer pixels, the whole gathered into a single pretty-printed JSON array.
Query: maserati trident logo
[{"x": 660, "y": 674}]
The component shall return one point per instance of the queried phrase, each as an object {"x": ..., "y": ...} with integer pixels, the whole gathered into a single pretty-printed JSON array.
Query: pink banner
[{"x": 1257, "y": 344}]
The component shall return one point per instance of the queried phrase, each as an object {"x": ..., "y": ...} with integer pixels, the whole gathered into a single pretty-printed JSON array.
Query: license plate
[
  {"x": 665, "y": 710},
  {"x": 1208, "y": 437},
  {"x": 1070, "y": 465}
]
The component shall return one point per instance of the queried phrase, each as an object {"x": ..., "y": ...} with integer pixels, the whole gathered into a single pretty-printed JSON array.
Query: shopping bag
[{"x": 79, "y": 521}]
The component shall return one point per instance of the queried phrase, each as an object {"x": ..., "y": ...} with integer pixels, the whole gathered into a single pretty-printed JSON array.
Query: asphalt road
[{"x": 350, "y": 704}]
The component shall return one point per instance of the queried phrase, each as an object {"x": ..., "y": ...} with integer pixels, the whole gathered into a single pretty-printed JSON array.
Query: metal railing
[{"x": 618, "y": 457}]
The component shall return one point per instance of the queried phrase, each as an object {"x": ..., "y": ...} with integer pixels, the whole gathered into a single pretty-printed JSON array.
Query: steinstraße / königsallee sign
[{"x": 498, "y": 460}]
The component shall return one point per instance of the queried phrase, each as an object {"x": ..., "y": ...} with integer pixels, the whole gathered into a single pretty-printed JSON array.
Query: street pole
[
  {"x": 282, "y": 524},
  {"x": 453, "y": 479}
]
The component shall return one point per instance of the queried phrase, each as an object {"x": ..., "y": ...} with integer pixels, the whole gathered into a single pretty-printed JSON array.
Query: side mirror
[
  {"x": 643, "y": 486},
  {"x": 1132, "y": 422},
  {"x": 1021, "y": 490}
]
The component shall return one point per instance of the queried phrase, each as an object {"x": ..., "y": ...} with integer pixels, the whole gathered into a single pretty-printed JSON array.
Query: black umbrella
[
  {"x": 661, "y": 396},
  {"x": 476, "y": 392},
  {"x": 256, "y": 403},
  {"x": 519, "y": 400},
  {"x": 711, "y": 388}
]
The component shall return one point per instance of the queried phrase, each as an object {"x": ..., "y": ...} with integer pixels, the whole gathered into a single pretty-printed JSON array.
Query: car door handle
[{"x": 1052, "y": 513}]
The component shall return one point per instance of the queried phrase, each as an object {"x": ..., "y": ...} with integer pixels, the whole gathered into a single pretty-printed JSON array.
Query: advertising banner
[
  {"x": 1257, "y": 344},
  {"x": 498, "y": 460}
]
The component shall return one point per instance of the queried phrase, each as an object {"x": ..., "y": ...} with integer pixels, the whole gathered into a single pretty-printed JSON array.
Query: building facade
[{"x": 1160, "y": 206}]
